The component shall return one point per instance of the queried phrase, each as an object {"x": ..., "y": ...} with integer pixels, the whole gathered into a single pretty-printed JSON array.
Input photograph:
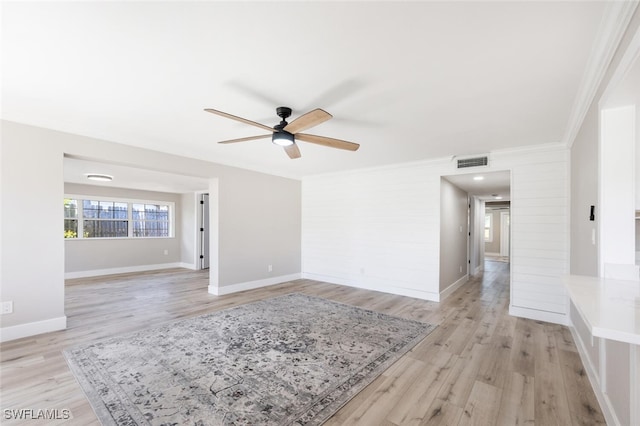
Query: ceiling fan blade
[
  {"x": 240, "y": 119},
  {"x": 331, "y": 142},
  {"x": 292, "y": 151},
  {"x": 248, "y": 138},
  {"x": 305, "y": 121}
]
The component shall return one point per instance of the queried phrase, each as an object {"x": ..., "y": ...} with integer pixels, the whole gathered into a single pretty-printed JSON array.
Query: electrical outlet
[
  {"x": 166, "y": 252},
  {"x": 7, "y": 308},
  {"x": 270, "y": 268},
  {"x": 460, "y": 268}
]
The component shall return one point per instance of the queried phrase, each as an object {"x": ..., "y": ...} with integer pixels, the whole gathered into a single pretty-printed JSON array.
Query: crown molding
[
  {"x": 613, "y": 26},
  {"x": 627, "y": 62}
]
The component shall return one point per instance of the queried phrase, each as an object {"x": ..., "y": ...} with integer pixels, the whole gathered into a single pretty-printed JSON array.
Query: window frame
[
  {"x": 488, "y": 214},
  {"x": 80, "y": 234}
]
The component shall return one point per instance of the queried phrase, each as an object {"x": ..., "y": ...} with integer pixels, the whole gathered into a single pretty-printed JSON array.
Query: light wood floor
[{"x": 480, "y": 366}]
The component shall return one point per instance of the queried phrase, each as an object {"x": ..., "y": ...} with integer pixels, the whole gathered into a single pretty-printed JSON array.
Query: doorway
[
  {"x": 497, "y": 235},
  {"x": 483, "y": 187},
  {"x": 505, "y": 233}
]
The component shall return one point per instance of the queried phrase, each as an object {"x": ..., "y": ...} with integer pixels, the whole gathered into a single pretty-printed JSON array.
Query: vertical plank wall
[
  {"x": 380, "y": 228},
  {"x": 377, "y": 229},
  {"x": 540, "y": 235}
]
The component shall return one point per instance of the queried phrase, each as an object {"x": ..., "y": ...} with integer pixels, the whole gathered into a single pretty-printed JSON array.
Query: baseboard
[
  {"x": 387, "y": 288},
  {"x": 127, "y": 269},
  {"x": 191, "y": 266},
  {"x": 539, "y": 315},
  {"x": 32, "y": 328},
  {"x": 603, "y": 400},
  {"x": 250, "y": 285},
  {"x": 453, "y": 287}
]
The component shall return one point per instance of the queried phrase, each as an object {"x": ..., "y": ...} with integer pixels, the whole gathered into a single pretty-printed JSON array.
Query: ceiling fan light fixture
[{"x": 282, "y": 138}]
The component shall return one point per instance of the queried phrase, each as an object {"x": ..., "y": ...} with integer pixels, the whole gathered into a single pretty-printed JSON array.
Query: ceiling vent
[{"x": 473, "y": 162}]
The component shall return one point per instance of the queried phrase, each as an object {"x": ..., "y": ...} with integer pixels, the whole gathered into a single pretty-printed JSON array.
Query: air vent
[{"x": 472, "y": 162}]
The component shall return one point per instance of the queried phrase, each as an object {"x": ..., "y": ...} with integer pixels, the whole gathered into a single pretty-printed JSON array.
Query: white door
[{"x": 505, "y": 234}]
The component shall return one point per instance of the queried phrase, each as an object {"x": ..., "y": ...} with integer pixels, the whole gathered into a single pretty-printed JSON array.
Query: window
[
  {"x": 488, "y": 227},
  {"x": 103, "y": 218},
  {"x": 150, "y": 220},
  {"x": 70, "y": 218}
]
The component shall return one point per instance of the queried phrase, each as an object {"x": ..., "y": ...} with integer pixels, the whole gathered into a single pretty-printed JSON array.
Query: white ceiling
[
  {"x": 76, "y": 171},
  {"x": 406, "y": 80},
  {"x": 492, "y": 184}
]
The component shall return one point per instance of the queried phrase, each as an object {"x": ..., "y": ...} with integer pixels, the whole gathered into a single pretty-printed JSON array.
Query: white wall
[
  {"x": 584, "y": 194},
  {"x": 617, "y": 182},
  {"x": 637, "y": 146},
  {"x": 476, "y": 228},
  {"x": 260, "y": 225},
  {"x": 454, "y": 213},
  {"x": 585, "y": 172},
  {"x": 494, "y": 245},
  {"x": 189, "y": 230},
  {"x": 377, "y": 229},
  {"x": 380, "y": 228},
  {"x": 540, "y": 234},
  {"x": 32, "y": 273}
]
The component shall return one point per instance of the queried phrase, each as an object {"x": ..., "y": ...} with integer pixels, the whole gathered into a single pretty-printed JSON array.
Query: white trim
[
  {"x": 214, "y": 232},
  {"x": 32, "y": 328},
  {"x": 453, "y": 287},
  {"x": 617, "y": 16},
  {"x": 389, "y": 287},
  {"x": 631, "y": 55},
  {"x": 634, "y": 360},
  {"x": 127, "y": 269},
  {"x": 538, "y": 315},
  {"x": 603, "y": 400},
  {"x": 186, "y": 265},
  {"x": 505, "y": 233},
  {"x": 198, "y": 222},
  {"x": 488, "y": 213},
  {"x": 250, "y": 285}
]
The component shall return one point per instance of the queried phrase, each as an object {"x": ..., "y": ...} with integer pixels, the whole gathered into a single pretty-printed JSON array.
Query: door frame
[{"x": 505, "y": 233}]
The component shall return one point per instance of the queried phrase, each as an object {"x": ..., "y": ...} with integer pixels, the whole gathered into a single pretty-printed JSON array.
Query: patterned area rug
[{"x": 294, "y": 359}]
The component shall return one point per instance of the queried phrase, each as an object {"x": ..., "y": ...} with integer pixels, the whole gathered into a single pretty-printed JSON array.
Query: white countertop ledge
[{"x": 610, "y": 308}]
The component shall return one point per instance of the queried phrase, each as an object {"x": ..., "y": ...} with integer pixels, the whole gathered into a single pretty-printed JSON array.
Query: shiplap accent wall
[
  {"x": 540, "y": 234},
  {"x": 380, "y": 228},
  {"x": 377, "y": 229}
]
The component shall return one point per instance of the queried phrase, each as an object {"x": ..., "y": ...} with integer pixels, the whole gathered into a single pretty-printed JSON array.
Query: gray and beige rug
[{"x": 294, "y": 359}]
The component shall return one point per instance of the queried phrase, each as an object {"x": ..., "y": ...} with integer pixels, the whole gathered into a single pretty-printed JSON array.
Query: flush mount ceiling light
[
  {"x": 478, "y": 178},
  {"x": 99, "y": 177}
]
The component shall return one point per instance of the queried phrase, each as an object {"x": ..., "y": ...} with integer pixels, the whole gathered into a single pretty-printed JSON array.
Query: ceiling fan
[{"x": 285, "y": 134}]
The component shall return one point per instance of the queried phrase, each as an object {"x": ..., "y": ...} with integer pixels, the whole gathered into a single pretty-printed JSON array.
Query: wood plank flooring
[{"x": 479, "y": 367}]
